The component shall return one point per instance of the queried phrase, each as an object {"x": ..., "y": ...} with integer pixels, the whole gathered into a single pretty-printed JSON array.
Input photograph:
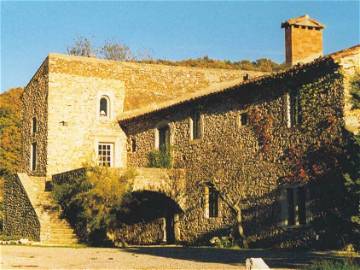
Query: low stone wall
[
  {"x": 142, "y": 233},
  {"x": 62, "y": 178},
  {"x": 20, "y": 217}
]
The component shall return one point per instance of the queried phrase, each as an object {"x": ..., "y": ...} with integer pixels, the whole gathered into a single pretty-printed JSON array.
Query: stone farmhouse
[{"x": 228, "y": 132}]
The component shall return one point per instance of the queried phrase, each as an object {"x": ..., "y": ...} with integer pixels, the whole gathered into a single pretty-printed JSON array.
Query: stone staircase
[{"x": 54, "y": 230}]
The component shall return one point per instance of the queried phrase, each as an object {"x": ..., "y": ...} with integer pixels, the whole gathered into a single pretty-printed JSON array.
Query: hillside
[{"x": 263, "y": 64}]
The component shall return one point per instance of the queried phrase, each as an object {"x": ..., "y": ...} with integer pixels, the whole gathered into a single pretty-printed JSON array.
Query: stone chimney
[{"x": 303, "y": 39}]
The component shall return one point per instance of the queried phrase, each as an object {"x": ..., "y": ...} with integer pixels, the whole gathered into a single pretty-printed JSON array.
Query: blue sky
[{"x": 169, "y": 30}]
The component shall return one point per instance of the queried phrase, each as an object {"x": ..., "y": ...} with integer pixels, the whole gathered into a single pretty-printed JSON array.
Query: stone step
[
  {"x": 60, "y": 237},
  {"x": 60, "y": 243},
  {"x": 54, "y": 230},
  {"x": 58, "y": 222},
  {"x": 61, "y": 240},
  {"x": 58, "y": 231}
]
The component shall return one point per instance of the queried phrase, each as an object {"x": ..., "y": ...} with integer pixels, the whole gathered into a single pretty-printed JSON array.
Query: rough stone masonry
[{"x": 228, "y": 136}]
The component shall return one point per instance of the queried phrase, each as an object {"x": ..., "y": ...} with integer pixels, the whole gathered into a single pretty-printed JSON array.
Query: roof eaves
[{"x": 131, "y": 115}]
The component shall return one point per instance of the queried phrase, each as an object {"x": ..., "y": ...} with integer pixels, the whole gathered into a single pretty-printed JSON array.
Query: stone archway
[
  {"x": 154, "y": 213},
  {"x": 170, "y": 182},
  {"x": 155, "y": 201}
]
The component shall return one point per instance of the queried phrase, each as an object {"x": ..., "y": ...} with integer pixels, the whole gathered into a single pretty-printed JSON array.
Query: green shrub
[
  {"x": 355, "y": 91},
  {"x": 10, "y": 237},
  {"x": 160, "y": 158},
  {"x": 87, "y": 201},
  {"x": 333, "y": 265}
]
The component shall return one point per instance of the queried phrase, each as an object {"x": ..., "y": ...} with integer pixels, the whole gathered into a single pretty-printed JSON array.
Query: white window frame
[
  {"x": 112, "y": 153},
  {"x": 191, "y": 124},
  {"x": 288, "y": 110},
  {"x": 108, "y": 107},
  {"x": 157, "y": 133}
]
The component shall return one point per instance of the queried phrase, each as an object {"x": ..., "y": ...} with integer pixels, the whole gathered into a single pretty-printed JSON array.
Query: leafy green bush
[
  {"x": 87, "y": 201},
  {"x": 10, "y": 237},
  {"x": 160, "y": 158},
  {"x": 333, "y": 265}
]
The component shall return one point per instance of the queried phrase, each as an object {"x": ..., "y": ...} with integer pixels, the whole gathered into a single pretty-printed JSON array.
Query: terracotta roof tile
[{"x": 229, "y": 86}]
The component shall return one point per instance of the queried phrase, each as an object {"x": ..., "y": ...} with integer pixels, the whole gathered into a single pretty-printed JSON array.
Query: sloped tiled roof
[
  {"x": 304, "y": 20},
  {"x": 229, "y": 86}
]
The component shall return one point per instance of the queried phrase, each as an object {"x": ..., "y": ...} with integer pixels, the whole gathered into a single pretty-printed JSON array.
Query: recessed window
[
  {"x": 164, "y": 138},
  {"x": 292, "y": 109},
  {"x": 244, "y": 119},
  {"x": 33, "y": 158},
  {"x": 34, "y": 125},
  {"x": 296, "y": 206},
  {"x": 196, "y": 126},
  {"x": 133, "y": 145},
  {"x": 105, "y": 154},
  {"x": 211, "y": 202},
  {"x": 104, "y": 107}
]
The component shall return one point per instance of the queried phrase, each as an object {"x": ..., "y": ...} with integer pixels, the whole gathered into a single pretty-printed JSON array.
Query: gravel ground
[{"x": 169, "y": 257}]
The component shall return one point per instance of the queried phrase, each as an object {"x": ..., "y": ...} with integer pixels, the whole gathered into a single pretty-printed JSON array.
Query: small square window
[
  {"x": 133, "y": 145},
  {"x": 244, "y": 119}
]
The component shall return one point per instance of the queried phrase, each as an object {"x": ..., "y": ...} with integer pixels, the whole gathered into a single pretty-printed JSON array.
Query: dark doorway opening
[
  {"x": 170, "y": 229},
  {"x": 147, "y": 206}
]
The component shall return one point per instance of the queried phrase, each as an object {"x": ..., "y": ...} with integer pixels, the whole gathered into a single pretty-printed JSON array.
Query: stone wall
[
  {"x": 149, "y": 233},
  {"x": 236, "y": 156},
  {"x": 302, "y": 44},
  {"x": 350, "y": 66},
  {"x": 20, "y": 217},
  {"x": 145, "y": 84},
  {"x": 35, "y": 104},
  {"x": 74, "y": 124}
]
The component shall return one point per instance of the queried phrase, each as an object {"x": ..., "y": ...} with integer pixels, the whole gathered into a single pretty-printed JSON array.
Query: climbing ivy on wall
[
  {"x": 262, "y": 124},
  {"x": 355, "y": 90}
]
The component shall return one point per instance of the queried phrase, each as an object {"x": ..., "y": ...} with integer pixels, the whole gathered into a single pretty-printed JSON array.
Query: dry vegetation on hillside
[{"x": 111, "y": 50}]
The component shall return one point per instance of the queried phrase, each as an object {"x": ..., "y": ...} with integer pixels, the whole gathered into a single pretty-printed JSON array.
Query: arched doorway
[{"x": 146, "y": 207}]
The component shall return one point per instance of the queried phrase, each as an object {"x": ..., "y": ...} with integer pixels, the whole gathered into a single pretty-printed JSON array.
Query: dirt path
[{"x": 28, "y": 257}]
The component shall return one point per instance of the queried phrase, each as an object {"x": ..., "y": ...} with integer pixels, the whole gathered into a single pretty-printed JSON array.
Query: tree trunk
[{"x": 239, "y": 228}]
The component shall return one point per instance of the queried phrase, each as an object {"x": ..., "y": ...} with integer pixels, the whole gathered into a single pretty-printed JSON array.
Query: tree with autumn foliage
[{"x": 10, "y": 130}]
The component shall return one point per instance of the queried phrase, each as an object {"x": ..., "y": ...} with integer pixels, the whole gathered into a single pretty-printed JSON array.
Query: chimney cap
[{"x": 304, "y": 20}]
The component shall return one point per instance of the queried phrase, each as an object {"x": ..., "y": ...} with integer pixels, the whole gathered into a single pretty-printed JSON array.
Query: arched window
[{"x": 104, "y": 107}]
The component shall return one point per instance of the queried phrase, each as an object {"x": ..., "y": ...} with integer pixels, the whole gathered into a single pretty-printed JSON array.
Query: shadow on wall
[
  {"x": 274, "y": 258},
  {"x": 261, "y": 223}
]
